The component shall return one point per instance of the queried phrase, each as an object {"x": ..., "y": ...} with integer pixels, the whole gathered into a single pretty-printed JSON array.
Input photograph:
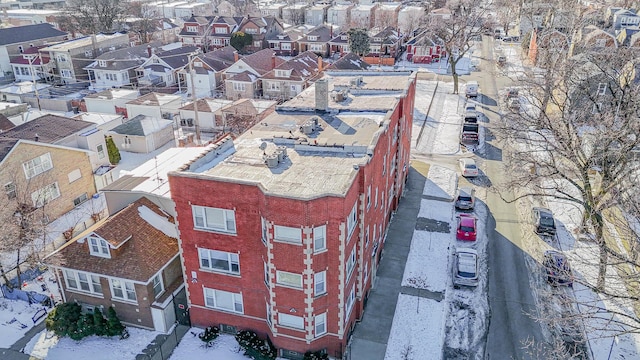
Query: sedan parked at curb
[
  {"x": 543, "y": 222},
  {"x": 465, "y": 198},
  {"x": 468, "y": 167},
  {"x": 465, "y": 267},
  {"x": 467, "y": 229},
  {"x": 557, "y": 268}
]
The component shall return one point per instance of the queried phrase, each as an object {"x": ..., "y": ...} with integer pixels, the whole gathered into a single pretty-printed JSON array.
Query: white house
[
  {"x": 142, "y": 134},
  {"x": 157, "y": 105},
  {"x": 110, "y": 101},
  {"x": 209, "y": 113}
]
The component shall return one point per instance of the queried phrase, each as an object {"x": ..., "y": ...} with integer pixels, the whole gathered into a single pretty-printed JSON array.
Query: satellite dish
[{"x": 263, "y": 145}]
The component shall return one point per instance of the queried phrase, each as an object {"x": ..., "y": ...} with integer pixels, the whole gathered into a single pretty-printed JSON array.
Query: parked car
[
  {"x": 465, "y": 198},
  {"x": 558, "y": 269},
  {"x": 471, "y": 89},
  {"x": 465, "y": 267},
  {"x": 502, "y": 60},
  {"x": 514, "y": 105},
  {"x": 466, "y": 229},
  {"x": 470, "y": 118},
  {"x": 468, "y": 167},
  {"x": 470, "y": 109},
  {"x": 469, "y": 136},
  {"x": 543, "y": 222}
]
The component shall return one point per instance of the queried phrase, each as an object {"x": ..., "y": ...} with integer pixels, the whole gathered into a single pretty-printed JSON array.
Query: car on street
[
  {"x": 466, "y": 230},
  {"x": 465, "y": 267},
  {"x": 469, "y": 137},
  {"x": 470, "y": 109},
  {"x": 543, "y": 222},
  {"x": 502, "y": 60},
  {"x": 468, "y": 167},
  {"x": 465, "y": 198},
  {"x": 557, "y": 268}
]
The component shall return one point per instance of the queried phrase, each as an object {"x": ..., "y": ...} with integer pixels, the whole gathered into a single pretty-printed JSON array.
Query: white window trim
[
  {"x": 287, "y": 234},
  {"x": 231, "y": 258},
  {"x": 228, "y": 219},
  {"x": 31, "y": 169},
  {"x": 320, "y": 320},
  {"x": 101, "y": 244},
  {"x": 350, "y": 301},
  {"x": 602, "y": 88},
  {"x": 352, "y": 220},
  {"x": 76, "y": 277},
  {"x": 320, "y": 283},
  {"x": 291, "y": 321},
  {"x": 236, "y": 298},
  {"x": 282, "y": 282},
  {"x": 319, "y": 239},
  {"x": 125, "y": 294},
  {"x": 351, "y": 263},
  {"x": 45, "y": 195},
  {"x": 160, "y": 282}
]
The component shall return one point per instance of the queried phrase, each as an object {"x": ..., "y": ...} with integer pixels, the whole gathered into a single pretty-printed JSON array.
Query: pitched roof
[
  {"x": 261, "y": 61},
  {"x": 155, "y": 99},
  {"x": 19, "y": 34},
  {"x": 5, "y": 123},
  {"x": 323, "y": 32},
  {"x": 5, "y": 146},
  {"x": 179, "y": 57},
  {"x": 141, "y": 125},
  {"x": 47, "y": 128},
  {"x": 207, "y": 105},
  {"x": 302, "y": 67},
  {"x": 126, "y": 58},
  {"x": 219, "y": 59},
  {"x": 350, "y": 61},
  {"x": 143, "y": 247}
]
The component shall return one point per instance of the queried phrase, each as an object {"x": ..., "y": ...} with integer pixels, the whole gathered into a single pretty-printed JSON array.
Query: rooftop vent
[
  {"x": 281, "y": 151},
  {"x": 271, "y": 161},
  {"x": 307, "y": 128}
]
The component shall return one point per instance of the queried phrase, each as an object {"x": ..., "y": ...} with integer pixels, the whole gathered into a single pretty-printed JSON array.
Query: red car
[{"x": 466, "y": 227}]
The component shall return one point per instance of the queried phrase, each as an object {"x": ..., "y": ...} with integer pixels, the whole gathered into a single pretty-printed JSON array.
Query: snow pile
[
  {"x": 191, "y": 347},
  {"x": 159, "y": 222}
]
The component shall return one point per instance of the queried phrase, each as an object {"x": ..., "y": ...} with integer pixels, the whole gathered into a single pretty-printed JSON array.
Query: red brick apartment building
[{"x": 282, "y": 228}]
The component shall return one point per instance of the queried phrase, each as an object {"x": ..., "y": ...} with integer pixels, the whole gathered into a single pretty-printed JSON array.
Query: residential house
[
  {"x": 168, "y": 9},
  {"x": 532, "y": 16},
  {"x": 104, "y": 122},
  {"x": 71, "y": 57},
  {"x": 14, "y": 92},
  {"x": 226, "y": 116},
  {"x": 32, "y": 66},
  {"x": 293, "y": 14},
  {"x": 156, "y": 105},
  {"x": 410, "y": 18},
  {"x": 242, "y": 79},
  {"x": 110, "y": 101},
  {"x": 272, "y": 9},
  {"x": 208, "y": 71},
  {"x": 340, "y": 44},
  {"x": 624, "y": 35},
  {"x": 348, "y": 62},
  {"x": 316, "y": 14},
  {"x": 363, "y": 16},
  {"x": 142, "y": 134},
  {"x": 142, "y": 31},
  {"x": 340, "y": 15},
  {"x": 386, "y": 15},
  {"x": 260, "y": 29},
  {"x": 546, "y": 46},
  {"x": 317, "y": 40},
  {"x": 625, "y": 18},
  {"x": 609, "y": 13},
  {"x": 195, "y": 31},
  {"x": 95, "y": 270},
  {"x": 424, "y": 49},
  {"x": 117, "y": 68},
  {"x": 225, "y": 8},
  {"x": 15, "y": 40},
  {"x": 593, "y": 90},
  {"x": 209, "y": 114},
  {"x": 385, "y": 43},
  {"x": 221, "y": 29},
  {"x": 186, "y": 11},
  {"x": 292, "y": 77},
  {"x": 311, "y": 213},
  {"x": 286, "y": 43},
  {"x": 53, "y": 161},
  {"x": 592, "y": 39},
  {"x": 161, "y": 69}
]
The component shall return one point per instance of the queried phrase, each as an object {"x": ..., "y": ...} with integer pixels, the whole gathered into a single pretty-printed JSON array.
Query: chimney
[
  {"x": 273, "y": 61},
  {"x": 149, "y": 50},
  {"x": 322, "y": 95},
  {"x": 235, "y": 56},
  {"x": 320, "y": 63}
]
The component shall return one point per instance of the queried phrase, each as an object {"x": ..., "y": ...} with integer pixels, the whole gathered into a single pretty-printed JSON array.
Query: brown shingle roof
[
  {"x": 5, "y": 147},
  {"x": 5, "y": 123},
  {"x": 261, "y": 61},
  {"x": 143, "y": 249},
  {"x": 48, "y": 129},
  {"x": 303, "y": 67}
]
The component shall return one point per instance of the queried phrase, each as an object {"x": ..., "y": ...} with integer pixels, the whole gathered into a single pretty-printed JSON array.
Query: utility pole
[
  {"x": 33, "y": 78},
  {"x": 196, "y": 120}
]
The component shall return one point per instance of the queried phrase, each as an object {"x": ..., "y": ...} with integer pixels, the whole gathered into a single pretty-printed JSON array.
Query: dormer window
[
  {"x": 102, "y": 63},
  {"x": 191, "y": 28},
  {"x": 343, "y": 37},
  {"x": 313, "y": 38},
  {"x": 99, "y": 247}
]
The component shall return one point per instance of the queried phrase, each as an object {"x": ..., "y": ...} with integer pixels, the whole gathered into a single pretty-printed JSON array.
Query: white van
[{"x": 471, "y": 89}]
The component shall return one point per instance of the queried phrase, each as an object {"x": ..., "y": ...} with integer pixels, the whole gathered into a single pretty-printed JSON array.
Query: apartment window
[
  {"x": 80, "y": 199},
  {"x": 251, "y": 31},
  {"x": 274, "y": 86},
  {"x": 221, "y": 30},
  {"x": 312, "y": 38},
  {"x": 285, "y": 46},
  {"x": 61, "y": 58},
  {"x": 319, "y": 238},
  {"x": 375, "y": 203},
  {"x": 111, "y": 77},
  {"x": 223, "y": 300},
  {"x": 102, "y": 63},
  {"x": 81, "y": 281},
  {"x": 352, "y": 219},
  {"x": 265, "y": 234},
  {"x": 219, "y": 261},
  {"x": 320, "y": 324},
  {"x": 37, "y": 165},
  {"x": 237, "y": 86},
  {"x": 65, "y": 73},
  {"x": 351, "y": 262},
  {"x": 316, "y": 47},
  {"x": 366, "y": 236},
  {"x": 88, "y": 54},
  {"x": 99, "y": 247},
  {"x": 209, "y": 218},
  {"x": 602, "y": 88},
  {"x": 320, "y": 283},
  {"x": 192, "y": 29},
  {"x": 287, "y": 234},
  {"x": 100, "y": 149},
  {"x": 384, "y": 164},
  {"x": 350, "y": 301},
  {"x": 158, "y": 286},
  {"x": 292, "y": 321},
  {"x": 45, "y": 195},
  {"x": 294, "y": 89},
  {"x": 266, "y": 275},
  {"x": 10, "y": 190},
  {"x": 217, "y": 41},
  {"x": 289, "y": 279},
  {"x": 123, "y": 290},
  {"x": 369, "y": 197}
]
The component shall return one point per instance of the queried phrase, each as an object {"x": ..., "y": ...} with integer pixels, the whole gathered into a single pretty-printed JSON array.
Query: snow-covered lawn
[
  {"x": 436, "y": 210},
  {"x": 427, "y": 263},
  {"x": 418, "y": 329},
  {"x": 441, "y": 183},
  {"x": 225, "y": 347},
  {"x": 15, "y": 320}
]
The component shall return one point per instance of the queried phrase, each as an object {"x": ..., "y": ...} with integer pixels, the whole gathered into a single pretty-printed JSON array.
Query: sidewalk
[
  {"x": 14, "y": 353},
  {"x": 369, "y": 339}
]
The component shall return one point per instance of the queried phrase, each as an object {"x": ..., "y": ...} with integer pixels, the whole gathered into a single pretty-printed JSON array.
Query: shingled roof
[
  {"x": 47, "y": 129},
  {"x": 350, "y": 61},
  {"x": 20, "y": 34},
  {"x": 140, "y": 241},
  {"x": 261, "y": 61},
  {"x": 302, "y": 67},
  {"x": 141, "y": 125}
]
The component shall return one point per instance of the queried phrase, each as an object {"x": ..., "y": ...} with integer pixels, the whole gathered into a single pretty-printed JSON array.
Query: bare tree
[
  {"x": 464, "y": 22},
  {"x": 94, "y": 16}
]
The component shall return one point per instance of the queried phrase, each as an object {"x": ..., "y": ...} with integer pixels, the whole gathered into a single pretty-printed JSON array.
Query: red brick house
[
  {"x": 221, "y": 29},
  {"x": 260, "y": 28},
  {"x": 129, "y": 261},
  {"x": 195, "y": 31},
  {"x": 282, "y": 228}
]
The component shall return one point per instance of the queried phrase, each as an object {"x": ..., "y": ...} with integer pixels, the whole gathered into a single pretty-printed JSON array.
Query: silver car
[
  {"x": 465, "y": 198},
  {"x": 465, "y": 267}
]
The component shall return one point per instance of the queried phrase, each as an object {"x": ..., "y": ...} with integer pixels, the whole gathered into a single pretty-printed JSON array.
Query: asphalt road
[{"x": 510, "y": 297}]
